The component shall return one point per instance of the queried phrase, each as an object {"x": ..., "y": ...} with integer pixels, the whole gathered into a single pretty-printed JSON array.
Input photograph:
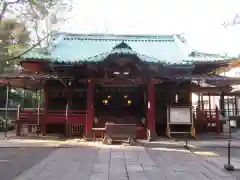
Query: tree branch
[
  {"x": 35, "y": 26},
  {"x": 35, "y": 45},
  {"x": 15, "y": 2},
  {"x": 4, "y": 9},
  {"x": 5, "y": 5}
]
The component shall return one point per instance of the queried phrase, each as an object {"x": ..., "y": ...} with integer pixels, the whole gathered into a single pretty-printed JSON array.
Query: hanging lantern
[{"x": 105, "y": 101}]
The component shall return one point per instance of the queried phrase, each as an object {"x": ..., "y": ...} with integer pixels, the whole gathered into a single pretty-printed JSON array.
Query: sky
[{"x": 200, "y": 20}]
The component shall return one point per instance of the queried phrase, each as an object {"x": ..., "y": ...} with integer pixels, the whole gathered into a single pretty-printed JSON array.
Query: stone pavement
[
  {"x": 14, "y": 161},
  {"x": 235, "y": 143},
  {"x": 123, "y": 163},
  {"x": 220, "y": 161},
  {"x": 9, "y": 134},
  {"x": 19, "y": 143},
  {"x": 192, "y": 143}
]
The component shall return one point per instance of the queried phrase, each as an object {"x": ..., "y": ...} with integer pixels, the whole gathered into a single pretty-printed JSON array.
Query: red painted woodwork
[
  {"x": 141, "y": 131},
  {"x": 28, "y": 117},
  {"x": 54, "y": 117},
  {"x": 212, "y": 120},
  {"x": 43, "y": 127},
  {"x": 35, "y": 66},
  {"x": 115, "y": 81},
  {"x": 90, "y": 111},
  {"x": 199, "y": 120},
  {"x": 59, "y": 116},
  {"x": 51, "y": 117},
  {"x": 151, "y": 107}
]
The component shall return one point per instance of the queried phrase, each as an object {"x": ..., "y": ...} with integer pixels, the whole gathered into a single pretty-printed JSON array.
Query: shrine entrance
[{"x": 120, "y": 104}]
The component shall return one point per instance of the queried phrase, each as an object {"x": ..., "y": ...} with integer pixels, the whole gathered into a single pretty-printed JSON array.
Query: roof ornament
[{"x": 122, "y": 45}]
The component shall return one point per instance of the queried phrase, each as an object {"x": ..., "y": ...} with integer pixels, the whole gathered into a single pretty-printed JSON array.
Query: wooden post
[
  {"x": 209, "y": 106},
  {"x": 18, "y": 123},
  {"x": 66, "y": 121},
  {"x": 151, "y": 110},
  {"x": 202, "y": 102},
  {"x": 36, "y": 100},
  {"x": 217, "y": 121},
  {"x": 199, "y": 100},
  {"x": 236, "y": 105},
  {"x": 38, "y": 106},
  {"x": 222, "y": 104},
  {"x": 89, "y": 119},
  {"x": 6, "y": 110},
  {"x": 44, "y": 122},
  {"x": 228, "y": 105}
]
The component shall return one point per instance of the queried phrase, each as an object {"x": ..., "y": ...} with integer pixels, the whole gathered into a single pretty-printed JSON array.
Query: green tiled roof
[
  {"x": 96, "y": 47},
  {"x": 38, "y": 53}
]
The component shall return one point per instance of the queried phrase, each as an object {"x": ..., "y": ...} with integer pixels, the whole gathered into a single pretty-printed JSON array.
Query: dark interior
[
  {"x": 58, "y": 100},
  {"x": 120, "y": 104},
  {"x": 56, "y": 128},
  {"x": 77, "y": 100},
  {"x": 169, "y": 94}
]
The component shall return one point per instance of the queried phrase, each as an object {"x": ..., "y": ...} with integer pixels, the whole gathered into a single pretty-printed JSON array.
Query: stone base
[
  {"x": 193, "y": 132},
  {"x": 107, "y": 140},
  {"x": 168, "y": 132},
  {"x": 229, "y": 167},
  {"x": 151, "y": 135},
  {"x": 88, "y": 137}
]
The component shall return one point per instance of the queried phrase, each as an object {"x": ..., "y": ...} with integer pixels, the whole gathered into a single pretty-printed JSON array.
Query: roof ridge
[
  {"x": 116, "y": 35},
  {"x": 209, "y": 53}
]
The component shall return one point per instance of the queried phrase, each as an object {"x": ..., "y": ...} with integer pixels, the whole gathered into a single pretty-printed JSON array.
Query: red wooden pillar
[
  {"x": 89, "y": 119},
  {"x": 151, "y": 108},
  {"x": 44, "y": 120}
]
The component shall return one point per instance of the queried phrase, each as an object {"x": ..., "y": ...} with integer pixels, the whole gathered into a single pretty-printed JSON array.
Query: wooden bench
[
  {"x": 95, "y": 130},
  {"x": 119, "y": 132}
]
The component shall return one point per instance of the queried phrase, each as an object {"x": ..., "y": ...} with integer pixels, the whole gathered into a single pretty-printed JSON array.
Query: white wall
[{"x": 214, "y": 101}]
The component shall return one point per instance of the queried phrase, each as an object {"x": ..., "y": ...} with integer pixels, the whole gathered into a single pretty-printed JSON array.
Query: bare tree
[
  {"x": 235, "y": 21},
  {"x": 28, "y": 22}
]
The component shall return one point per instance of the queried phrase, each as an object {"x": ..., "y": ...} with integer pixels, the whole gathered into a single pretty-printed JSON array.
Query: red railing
[
  {"x": 208, "y": 120},
  {"x": 212, "y": 118},
  {"x": 70, "y": 117},
  {"x": 28, "y": 117},
  {"x": 74, "y": 119}
]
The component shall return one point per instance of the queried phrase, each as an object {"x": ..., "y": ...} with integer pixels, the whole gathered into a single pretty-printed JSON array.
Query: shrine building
[{"x": 146, "y": 80}]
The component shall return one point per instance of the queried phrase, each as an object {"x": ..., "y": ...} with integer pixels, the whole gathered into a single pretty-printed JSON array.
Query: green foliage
[
  {"x": 21, "y": 19},
  {"x": 14, "y": 38},
  {"x": 3, "y": 121},
  {"x": 40, "y": 6},
  {"x": 21, "y": 25}
]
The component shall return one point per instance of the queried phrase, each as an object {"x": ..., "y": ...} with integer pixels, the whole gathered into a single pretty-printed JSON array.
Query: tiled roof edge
[
  {"x": 102, "y": 35},
  {"x": 212, "y": 54}
]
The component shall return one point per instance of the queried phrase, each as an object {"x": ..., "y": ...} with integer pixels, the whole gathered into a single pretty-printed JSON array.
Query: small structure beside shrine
[{"x": 92, "y": 79}]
